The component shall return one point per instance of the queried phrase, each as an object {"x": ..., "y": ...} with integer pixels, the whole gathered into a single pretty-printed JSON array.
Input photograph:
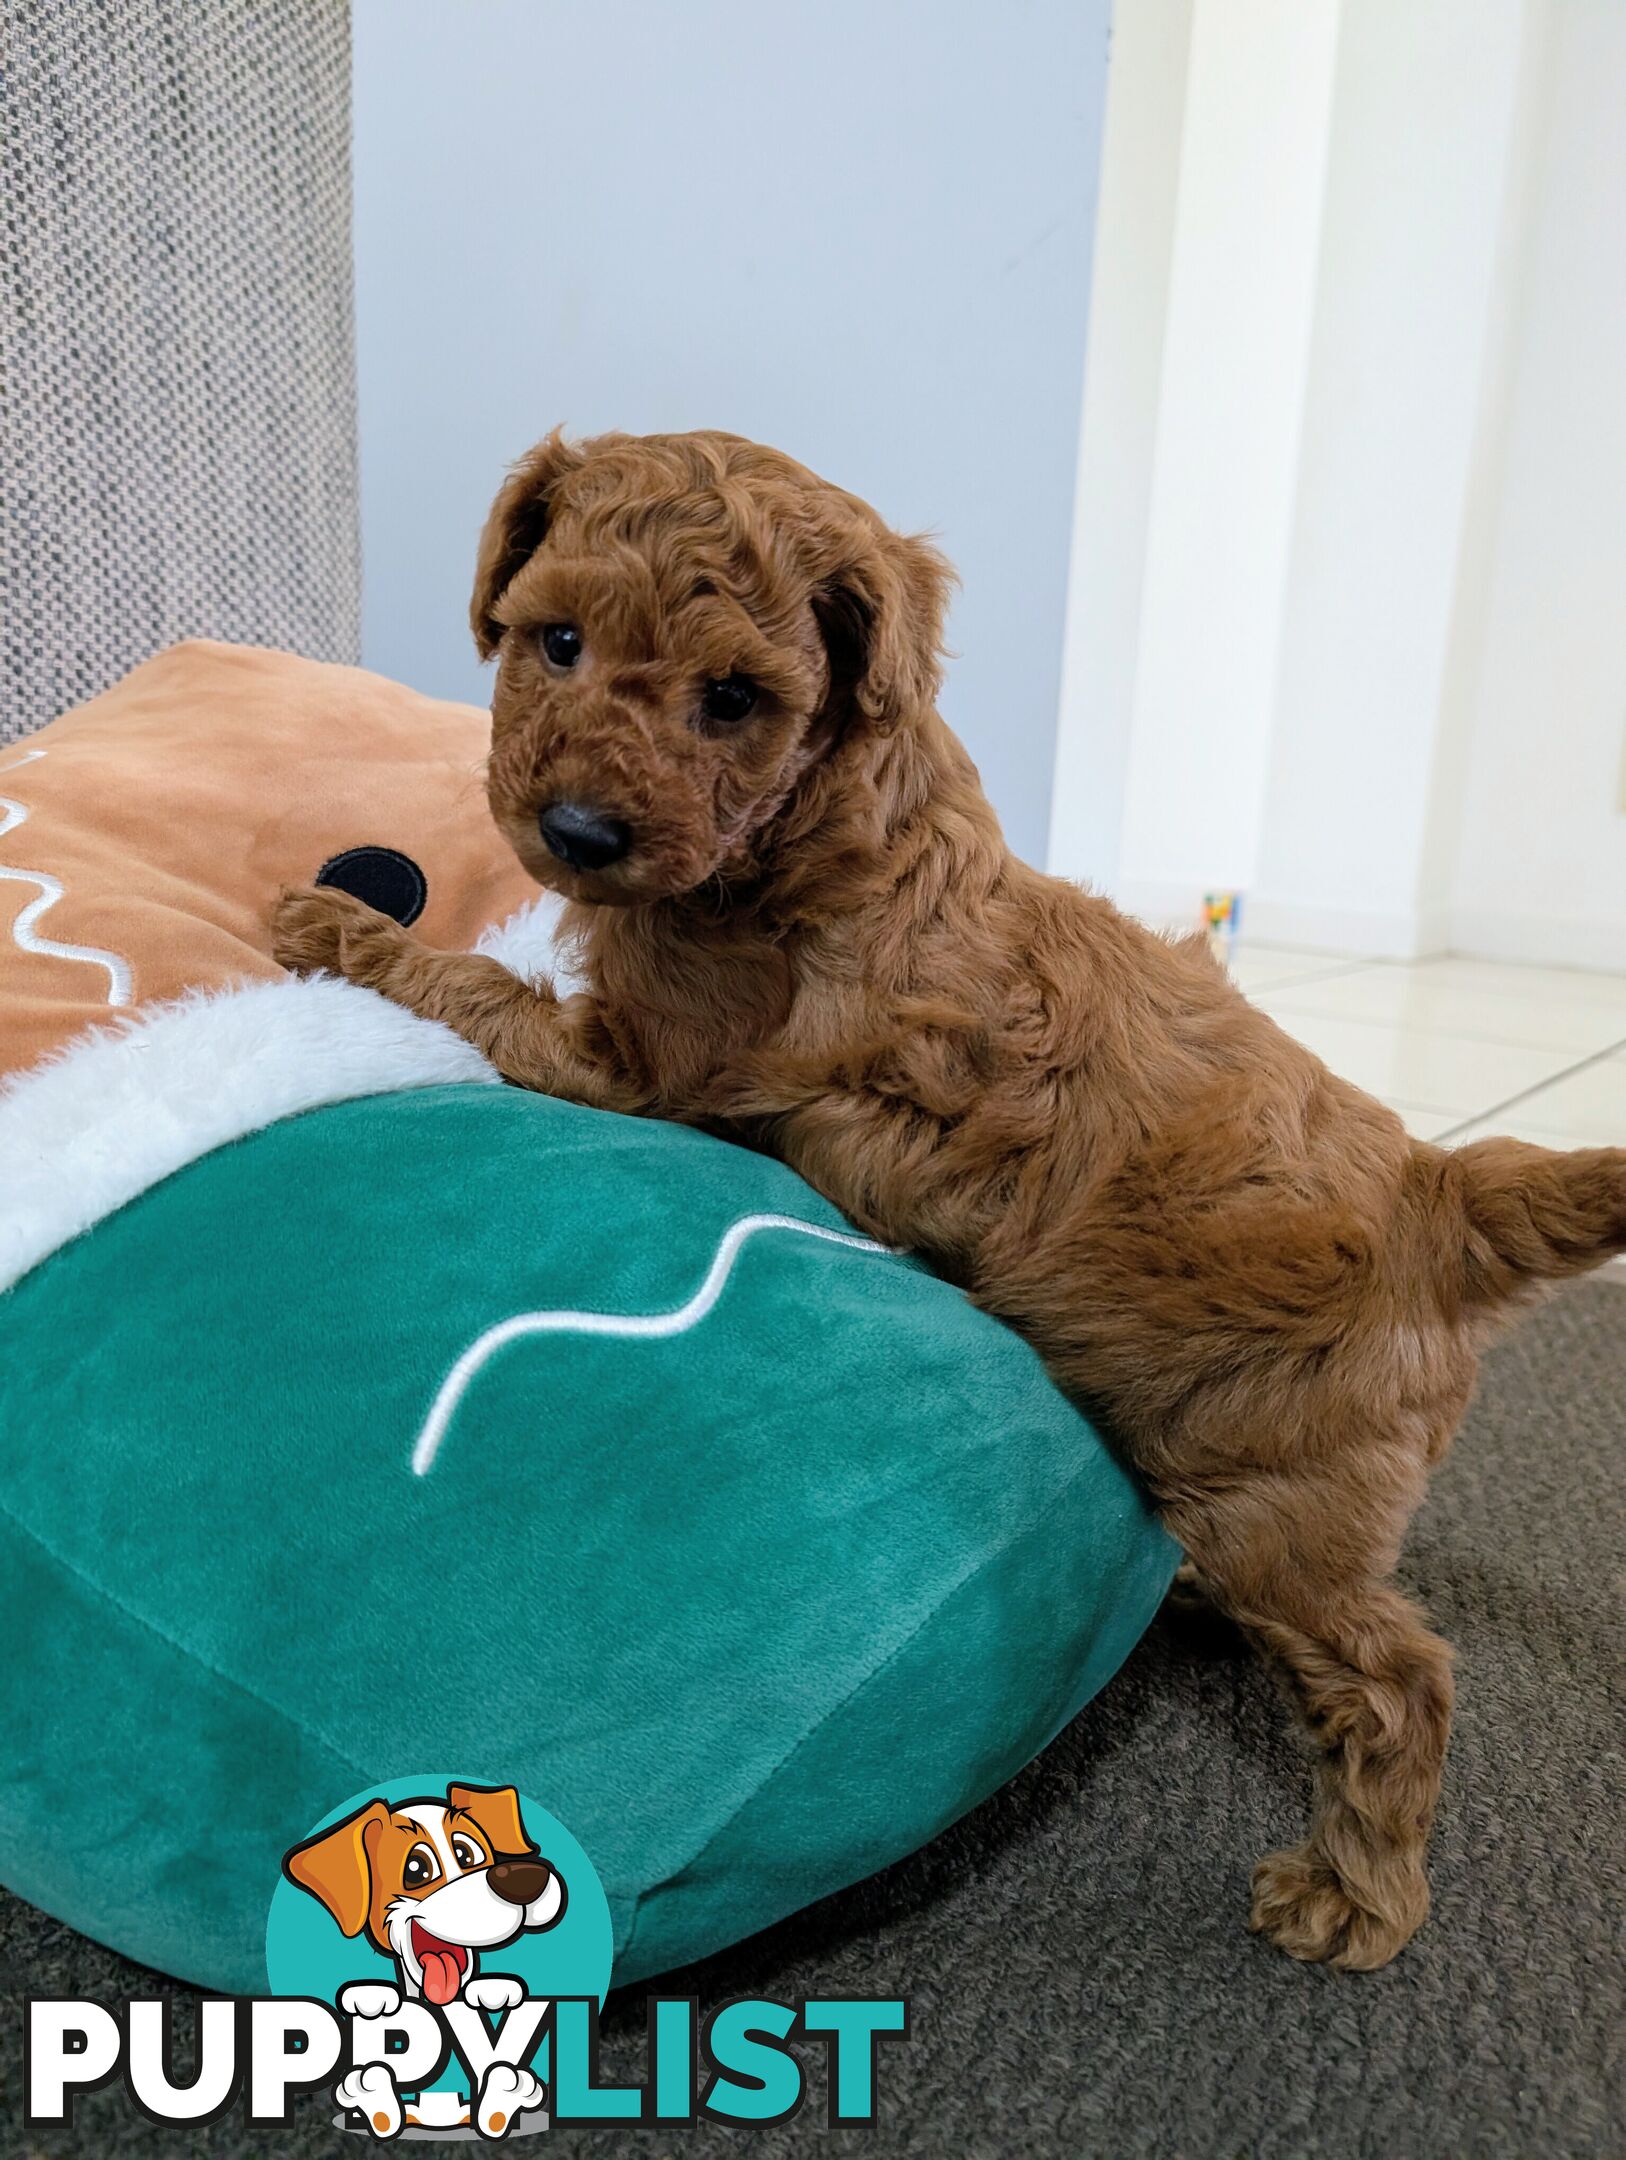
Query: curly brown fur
[{"x": 818, "y": 943}]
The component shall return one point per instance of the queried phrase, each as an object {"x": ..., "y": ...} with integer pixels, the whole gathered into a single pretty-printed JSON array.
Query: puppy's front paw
[
  {"x": 494, "y": 1991},
  {"x": 316, "y": 927},
  {"x": 370, "y": 1999}
]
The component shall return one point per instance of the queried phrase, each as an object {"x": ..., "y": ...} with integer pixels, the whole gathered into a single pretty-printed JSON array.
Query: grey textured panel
[{"x": 177, "y": 400}]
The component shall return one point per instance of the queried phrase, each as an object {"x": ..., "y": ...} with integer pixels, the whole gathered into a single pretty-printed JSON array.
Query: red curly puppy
[{"x": 714, "y": 732}]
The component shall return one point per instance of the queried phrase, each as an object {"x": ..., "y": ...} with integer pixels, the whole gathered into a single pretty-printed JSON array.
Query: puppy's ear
[
  {"x": 336, "y": 1867},
  {"x": 881, "y": 616},
  {"x": 494, "y": 1810},
  {"x": 514, "y": 531}
]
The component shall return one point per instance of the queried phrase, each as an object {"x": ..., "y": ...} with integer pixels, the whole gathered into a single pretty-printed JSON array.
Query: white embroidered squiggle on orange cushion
[{"x": 24, "y": 933}]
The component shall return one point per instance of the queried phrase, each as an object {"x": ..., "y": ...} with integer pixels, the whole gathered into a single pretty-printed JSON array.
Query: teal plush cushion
[{"x": 755, "y": 1605}]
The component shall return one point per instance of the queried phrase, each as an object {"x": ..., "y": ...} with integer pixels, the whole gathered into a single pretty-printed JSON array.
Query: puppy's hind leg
[
  {"x": 1189, "y": 1595},
  {"x": 1374, "y": 1687},
  {"x": 506, "y": 2095},
  {"x": 370, "y": 2091},
  {"x": 1376, "y": 1690}
]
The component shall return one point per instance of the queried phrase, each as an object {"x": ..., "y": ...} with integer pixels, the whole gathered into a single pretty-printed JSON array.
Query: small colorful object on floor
[{"x": 1222, "y": 919}]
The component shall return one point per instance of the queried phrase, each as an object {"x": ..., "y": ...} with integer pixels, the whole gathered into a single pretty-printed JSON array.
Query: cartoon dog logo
[{"x": 432, "y": 1883}]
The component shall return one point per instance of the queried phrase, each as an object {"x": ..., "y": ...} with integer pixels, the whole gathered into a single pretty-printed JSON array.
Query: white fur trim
[
  {"x": 529, "y": 945},
  {"x": 123, "y": 1107}
]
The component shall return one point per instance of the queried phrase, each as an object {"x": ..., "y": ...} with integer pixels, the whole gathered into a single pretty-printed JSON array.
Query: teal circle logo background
[{"x": 306, "y": 1954}]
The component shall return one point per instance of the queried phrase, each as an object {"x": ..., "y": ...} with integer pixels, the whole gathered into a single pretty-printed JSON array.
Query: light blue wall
[{"x": 858, "y": 229}]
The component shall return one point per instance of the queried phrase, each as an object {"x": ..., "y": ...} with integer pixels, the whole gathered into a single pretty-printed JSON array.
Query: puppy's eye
[
  {"x": 421, "y": 1867},
  {"x": 562, "y": 642},
  {"x": 729, "y": 697},
  {"x": 467, "y": 1854}
]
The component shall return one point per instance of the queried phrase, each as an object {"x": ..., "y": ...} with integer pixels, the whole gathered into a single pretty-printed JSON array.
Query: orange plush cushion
[{"x": 144, "y": 836}]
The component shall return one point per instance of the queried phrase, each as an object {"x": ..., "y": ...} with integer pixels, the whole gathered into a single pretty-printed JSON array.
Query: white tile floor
[{"x": 1460, "y": 1047}]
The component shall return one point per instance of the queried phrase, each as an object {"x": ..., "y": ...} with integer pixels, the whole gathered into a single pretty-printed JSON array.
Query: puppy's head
[
  {"x": 431, "y": 1882},
  {"x": 685, "y": 625}
]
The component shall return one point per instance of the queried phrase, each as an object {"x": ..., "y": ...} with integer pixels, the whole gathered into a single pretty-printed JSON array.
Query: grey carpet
[{"x": 1079, "y": 1976}]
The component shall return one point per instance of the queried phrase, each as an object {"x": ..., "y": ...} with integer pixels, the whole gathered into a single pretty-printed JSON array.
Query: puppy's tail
[{"x": 1520, "y": 1215}]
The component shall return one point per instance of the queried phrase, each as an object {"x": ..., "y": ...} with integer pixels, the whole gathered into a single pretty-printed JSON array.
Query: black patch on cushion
[{"x": 382, "y": 876}]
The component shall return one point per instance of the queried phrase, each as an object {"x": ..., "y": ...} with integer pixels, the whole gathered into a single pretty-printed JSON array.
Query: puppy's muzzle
[
  {"x": 581, "y": 837},
  {"x": 519, "y": 1882}
]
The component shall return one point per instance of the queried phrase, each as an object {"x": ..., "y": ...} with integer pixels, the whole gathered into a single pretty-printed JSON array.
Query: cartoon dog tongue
[{"x": 442, "y": 1965}]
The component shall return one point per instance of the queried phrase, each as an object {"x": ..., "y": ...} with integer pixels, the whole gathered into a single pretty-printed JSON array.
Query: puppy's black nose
[
  {"x": 518, "y": 1882},
  {"x": 582, "y": 837}
]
